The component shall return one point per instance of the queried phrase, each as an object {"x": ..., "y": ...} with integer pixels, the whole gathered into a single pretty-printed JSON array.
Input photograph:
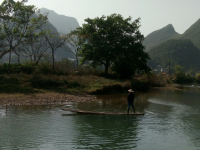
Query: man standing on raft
[{"x": 130, "y": 100}]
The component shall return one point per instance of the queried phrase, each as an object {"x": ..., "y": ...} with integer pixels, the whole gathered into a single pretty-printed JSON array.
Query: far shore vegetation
[
  {"x": 27, "y": 78},
  {"x": 108, "y": 51}
]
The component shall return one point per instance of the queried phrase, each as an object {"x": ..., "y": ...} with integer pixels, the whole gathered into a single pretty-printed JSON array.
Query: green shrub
[
  {"x": 197, "y": 78},
  {"x": 47, "y": 82},
  {"x": 39, "y": 81},
  {"x": 28, "y": 68},
  {"x": 44, "y": 68},
  {"x": 139, "y": 85},
  {"x": 74, "y": 84},
  {"x": 110, "y": 89}
]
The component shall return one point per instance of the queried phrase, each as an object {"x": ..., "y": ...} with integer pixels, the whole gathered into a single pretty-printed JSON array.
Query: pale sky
[{"x": 154, "y": 14}]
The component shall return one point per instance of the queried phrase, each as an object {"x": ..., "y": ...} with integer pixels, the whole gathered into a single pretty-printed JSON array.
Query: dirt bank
[
  {"x": 42, "y": 99},
  {"x": 55, "y": 98},
  {"x": 170, "y": 87}
]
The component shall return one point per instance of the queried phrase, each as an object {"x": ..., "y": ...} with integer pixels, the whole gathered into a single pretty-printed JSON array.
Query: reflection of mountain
[{"x": 63, "y": 24}]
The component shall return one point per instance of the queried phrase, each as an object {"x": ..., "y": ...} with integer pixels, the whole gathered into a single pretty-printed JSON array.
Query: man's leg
[
  {"x": 128, "y": 107},
  {"x": 133, "y": 107}
]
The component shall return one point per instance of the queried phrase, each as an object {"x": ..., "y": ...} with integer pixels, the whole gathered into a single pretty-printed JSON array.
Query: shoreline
[
  {"x": 42, "y": 99},
  {"x": 57, "y": 98},
  {"x": 170, "y": 87}
]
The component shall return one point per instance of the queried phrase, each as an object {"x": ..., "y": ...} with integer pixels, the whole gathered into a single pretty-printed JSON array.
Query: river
[{"x": 171, "y": 121}]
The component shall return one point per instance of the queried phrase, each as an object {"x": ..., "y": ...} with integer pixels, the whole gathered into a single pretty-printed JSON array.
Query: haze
[{"x": 154, "y": 14}]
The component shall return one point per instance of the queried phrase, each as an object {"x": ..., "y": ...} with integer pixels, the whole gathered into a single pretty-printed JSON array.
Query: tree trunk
[
  {"x": 76, "y": 63},
  {"x": 106, "y": 69},
  {"x": 9, "y": 62},
  {"x": 107, "y": 64},
  {"x": 53, "y": 59},
  {"x": 35, "y": 59},
  {"x": 19, "y": 59}
]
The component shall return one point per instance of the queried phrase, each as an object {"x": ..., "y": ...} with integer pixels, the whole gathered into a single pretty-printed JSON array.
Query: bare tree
[
  {"x": 17, "y": 24},
  {"x": 75, "y": 45},
  {"x": 55, "y": 41},
  {"x": 36, "y": 48}
]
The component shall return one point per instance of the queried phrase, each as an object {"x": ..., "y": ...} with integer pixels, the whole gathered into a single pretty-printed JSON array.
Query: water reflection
[
  {"x": 107, "y": 132},
  {"x": 114, "y": 103},
  {"x": 171, "y": 122}
]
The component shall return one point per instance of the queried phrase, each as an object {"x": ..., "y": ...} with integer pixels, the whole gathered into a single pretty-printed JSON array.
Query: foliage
[
  {"x": 113, "y": 40},
  {"x": 180, "y": 75},
  {"x": 197, "y": 78},
  {"x": 75, "y": 42},
  {"x": 35, "y": 49},
  {"x": 156, "y": 80},
  {"x": 110, "y": 89},
  {"x": 179, "y": 52},
  {"x": 193, "y": 33},
  {"x": 55, "y": 41},
  {"x": 27, "y": 68},
  {"x": 178, "y": 70},
  {"x": 18, "y": 23},
  {"x": 138, "y": 85},
  {"x": 168, "y": 33},
  {"x": 159, "y": 36}
]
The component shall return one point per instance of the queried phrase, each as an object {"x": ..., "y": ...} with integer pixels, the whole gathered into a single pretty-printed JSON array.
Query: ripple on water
[{"x": 50, "y": 128}]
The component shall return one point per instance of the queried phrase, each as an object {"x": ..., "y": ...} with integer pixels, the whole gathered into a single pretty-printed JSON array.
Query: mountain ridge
[
  {"x": 179, "y": 51},
  {"x": 159, "y": 36},
  {"x": 168, "y": 32},
  {"x": 64, "y": 24}
]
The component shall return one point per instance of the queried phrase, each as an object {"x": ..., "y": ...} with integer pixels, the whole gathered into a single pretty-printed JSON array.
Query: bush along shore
[
  {"x": 27, "y": 84},
  {"x": 40, "y": 89}
]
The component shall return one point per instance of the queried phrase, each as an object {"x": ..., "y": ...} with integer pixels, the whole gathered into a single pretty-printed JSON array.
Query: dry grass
[{"x": 37, "y": 83}]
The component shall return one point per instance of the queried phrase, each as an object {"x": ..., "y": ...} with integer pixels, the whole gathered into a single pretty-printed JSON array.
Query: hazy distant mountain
[
  {"x": 179, "y": 52},
  {"x": 167, "y": 33},
  {"x": 193, "y": 33},
  {"x": 157, "y": 37},
  {"x": 47, "y": 26},
  {"x": 59, "y": 53},
  {"x": 63, "y": 24}
]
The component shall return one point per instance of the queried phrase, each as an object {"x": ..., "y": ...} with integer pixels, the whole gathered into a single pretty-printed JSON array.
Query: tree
[
  {"x": 75, "y": 42},
  {"x": 36, "y": 48},
  {"x": 55, "y": 41},
  {"x": 178, "y": 69},
  {"x": 17, "y": 52},
  {"x": 113, "y": 40},
  {"x": 18, "y": 23}
]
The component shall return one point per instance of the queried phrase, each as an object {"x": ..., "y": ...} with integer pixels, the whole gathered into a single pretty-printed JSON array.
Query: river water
[{"x": 171, "y": 121}]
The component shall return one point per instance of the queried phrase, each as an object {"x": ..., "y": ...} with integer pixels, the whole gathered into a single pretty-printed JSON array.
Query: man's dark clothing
[
  {"x": 130, "y": 97},
  {"x": 130, "y": 100}
]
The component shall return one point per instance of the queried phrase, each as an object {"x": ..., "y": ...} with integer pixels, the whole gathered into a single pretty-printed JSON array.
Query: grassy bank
[
  {"x": 77, "y": 84},
  {"x": 27, "y": 84}
]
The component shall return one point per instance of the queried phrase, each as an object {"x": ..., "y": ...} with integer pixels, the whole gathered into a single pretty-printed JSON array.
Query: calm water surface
[{"x": 171, "y": 122}]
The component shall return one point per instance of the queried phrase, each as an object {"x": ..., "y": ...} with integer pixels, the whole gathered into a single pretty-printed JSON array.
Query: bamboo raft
[{"x": 100, "y": 113}]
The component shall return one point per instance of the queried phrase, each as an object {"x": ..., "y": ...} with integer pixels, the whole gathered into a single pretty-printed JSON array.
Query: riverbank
[
  {"x": 43, "y": 99},
  {"x": 22, "y": 89},
  {"x": 168, "y": 87},
  {"x": 58, "y": 98}
]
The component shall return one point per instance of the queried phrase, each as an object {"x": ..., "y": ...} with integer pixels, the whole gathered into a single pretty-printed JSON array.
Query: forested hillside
[
  {"x": 167, "y": 33},
  {"x": 179, "y": 52},
  {"x": 63, "y": 24},
  {"x": 157, "y": 37},
  {"x": 193, "y": 33}
]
